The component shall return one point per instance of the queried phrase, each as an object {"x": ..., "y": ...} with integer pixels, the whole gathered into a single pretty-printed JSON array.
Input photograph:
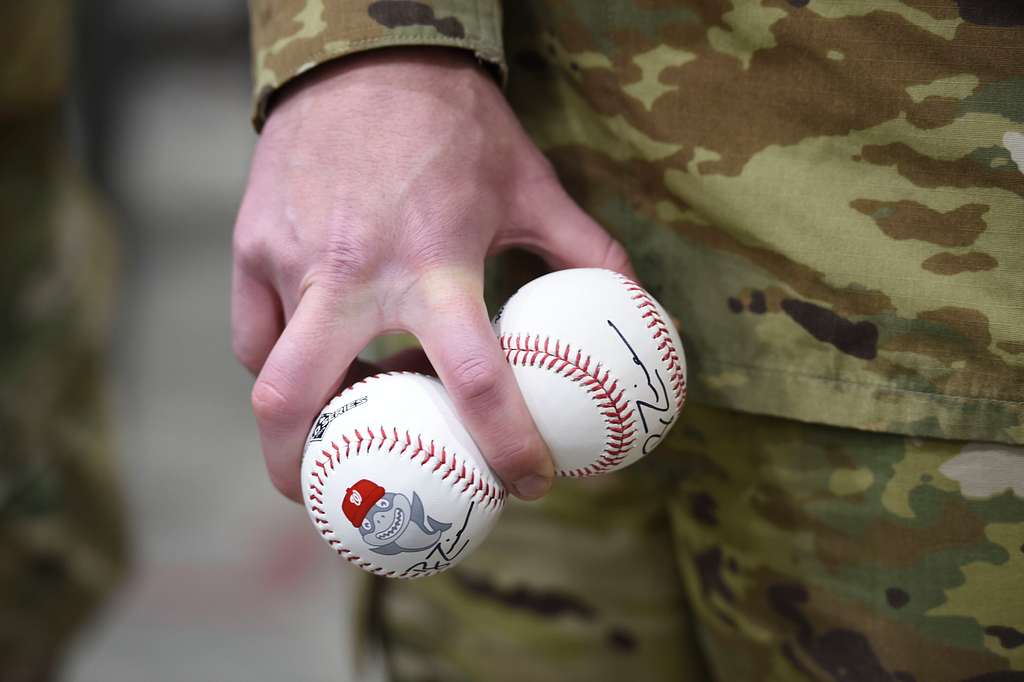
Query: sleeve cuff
[{"x": 290, "y": 37}]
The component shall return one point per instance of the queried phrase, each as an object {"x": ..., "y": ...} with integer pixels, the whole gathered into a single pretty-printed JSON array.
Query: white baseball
[
  {"x": 599, "y": 363},
  {"x": 394, "y": 482}
]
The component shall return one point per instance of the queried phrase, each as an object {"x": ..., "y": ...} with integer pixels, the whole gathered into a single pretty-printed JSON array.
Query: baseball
[
  {"x": 599, "y": 363},
  {"x": 393, "y": 481}
]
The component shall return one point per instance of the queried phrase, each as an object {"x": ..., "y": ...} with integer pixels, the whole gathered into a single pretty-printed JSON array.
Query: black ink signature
[
  {"x": 442, "y": 558},
  {"x": 661, "y": 404}
]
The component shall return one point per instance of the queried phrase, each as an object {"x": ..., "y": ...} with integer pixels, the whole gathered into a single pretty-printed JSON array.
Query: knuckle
[
  {"x": 347, "y": 258},
  {"x": 441, "y": 236},
  {"x": 249, "y": 239},
  {"x": 474, "y": 380},
  {"x": 516, "y": 456},
  {"x": 426, "y": 255},
  {"x": 269, "y": 404},
  {"x": 283, "y": 483},
  {"x": 246, "y": 354},
  {"x": 248, "y": 247},
  {"x": 537, "y": 171},
  {"x": 615, "y": 256}
]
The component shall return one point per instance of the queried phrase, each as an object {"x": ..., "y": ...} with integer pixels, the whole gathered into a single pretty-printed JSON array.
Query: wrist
[{"x": 409, "y": 67}]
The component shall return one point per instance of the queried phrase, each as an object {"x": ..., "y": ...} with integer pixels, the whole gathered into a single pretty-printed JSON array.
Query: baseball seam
[
  {"x": 597, "y": 381},
  {"x": 453, "y": 470},
  {"x": 662, "y": 337}
]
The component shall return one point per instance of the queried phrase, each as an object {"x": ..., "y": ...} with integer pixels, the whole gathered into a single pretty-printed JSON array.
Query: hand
[{"x": 379, "y": 185}]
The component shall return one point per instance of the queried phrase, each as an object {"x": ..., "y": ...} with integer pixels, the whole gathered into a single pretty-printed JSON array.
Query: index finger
[{"x": 303, "y": 370}]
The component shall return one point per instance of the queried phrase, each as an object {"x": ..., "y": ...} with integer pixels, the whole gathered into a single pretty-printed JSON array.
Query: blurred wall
[{"x": 230, "y": 580}]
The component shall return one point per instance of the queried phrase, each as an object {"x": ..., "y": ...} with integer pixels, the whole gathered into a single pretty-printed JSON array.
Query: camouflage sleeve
[{"x": 290, "y": 37}]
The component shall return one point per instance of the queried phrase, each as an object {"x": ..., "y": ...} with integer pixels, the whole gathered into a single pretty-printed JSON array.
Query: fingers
[
  {"x": 256, "y": 319},
  {"x": 458, "y": 339},
  {"x": 566, "y": 237},
  {"x": 302, "y": 371}
]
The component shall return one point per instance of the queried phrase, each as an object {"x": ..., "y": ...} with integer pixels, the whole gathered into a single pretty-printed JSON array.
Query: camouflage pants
[
  {"x": 61, "y": 536},
  {"x": 748, "y": 548}
]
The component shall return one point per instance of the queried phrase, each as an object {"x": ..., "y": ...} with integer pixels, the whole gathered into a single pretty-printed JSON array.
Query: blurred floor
[{"x": 231, "y": 581}]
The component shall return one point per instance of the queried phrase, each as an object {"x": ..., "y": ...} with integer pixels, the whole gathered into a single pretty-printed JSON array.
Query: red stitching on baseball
[
  {"x": 368, "y": 379},
  {"x": 674, "y": 366},
  {"x": 602, "y": 388},
  {"x": 491, "y": 495}
]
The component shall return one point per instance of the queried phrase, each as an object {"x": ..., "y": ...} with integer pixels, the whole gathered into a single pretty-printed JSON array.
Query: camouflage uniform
[
  {"x": 60, "y": 526},
  {"x": 829, "y": 194}
]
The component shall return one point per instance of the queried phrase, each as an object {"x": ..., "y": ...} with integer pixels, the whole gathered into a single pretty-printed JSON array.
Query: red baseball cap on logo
[{"x": 359, "y": 498}]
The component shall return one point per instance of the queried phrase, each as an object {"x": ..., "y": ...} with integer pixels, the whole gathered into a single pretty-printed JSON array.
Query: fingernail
[{"x": 533, "y": 486}]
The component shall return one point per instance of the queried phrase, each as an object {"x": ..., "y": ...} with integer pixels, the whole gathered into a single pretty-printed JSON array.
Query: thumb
[{"x": 566, "y": 237}]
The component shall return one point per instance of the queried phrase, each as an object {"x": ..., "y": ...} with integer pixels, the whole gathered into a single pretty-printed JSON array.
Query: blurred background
[{"x": 228, "y": 581}]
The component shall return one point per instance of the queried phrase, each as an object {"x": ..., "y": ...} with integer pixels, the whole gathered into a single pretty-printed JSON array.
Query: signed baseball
[
  {"x": 393, "y": 481},
  {"x": 599, "y": 363}
]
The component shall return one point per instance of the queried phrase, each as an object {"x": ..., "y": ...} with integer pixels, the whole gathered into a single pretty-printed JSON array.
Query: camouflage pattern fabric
[
  {"x": 750, "y": 548},
  {"x": 61, "y": 536},
  {"x": 827, "y": 193},
  {"x": 291, "y": 37}
]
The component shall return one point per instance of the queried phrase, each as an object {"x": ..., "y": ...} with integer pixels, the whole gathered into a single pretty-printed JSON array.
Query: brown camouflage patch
[
  {"x": 910, "y": 220},
  {"x": 934, "y": 112},
  {"x": 970, "y": 324},
  {"x": 925, "y": 171},
  {"x": 938, "y": 10},
  {"x": 954, "y": 263},
  {"x": 1014, "y": 348}
]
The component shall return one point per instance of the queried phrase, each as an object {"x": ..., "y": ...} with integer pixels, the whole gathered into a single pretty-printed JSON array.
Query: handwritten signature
[
  {"x": 653, "y": 411},
  {"x": 442, "y": 558}
]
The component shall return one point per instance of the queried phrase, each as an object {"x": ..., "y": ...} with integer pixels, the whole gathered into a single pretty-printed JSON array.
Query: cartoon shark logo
[{"x": 389, "y": 522}]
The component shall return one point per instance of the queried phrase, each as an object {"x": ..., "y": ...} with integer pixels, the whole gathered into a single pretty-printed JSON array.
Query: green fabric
[{"x": 748, "y": 548}]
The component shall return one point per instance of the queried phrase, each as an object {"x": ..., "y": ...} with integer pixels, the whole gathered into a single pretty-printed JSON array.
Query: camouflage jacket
[{"x": 827, "y": 193}]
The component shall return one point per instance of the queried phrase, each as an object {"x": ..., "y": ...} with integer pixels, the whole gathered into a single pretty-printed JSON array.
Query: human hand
[{"x": 379, "y": 185}]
